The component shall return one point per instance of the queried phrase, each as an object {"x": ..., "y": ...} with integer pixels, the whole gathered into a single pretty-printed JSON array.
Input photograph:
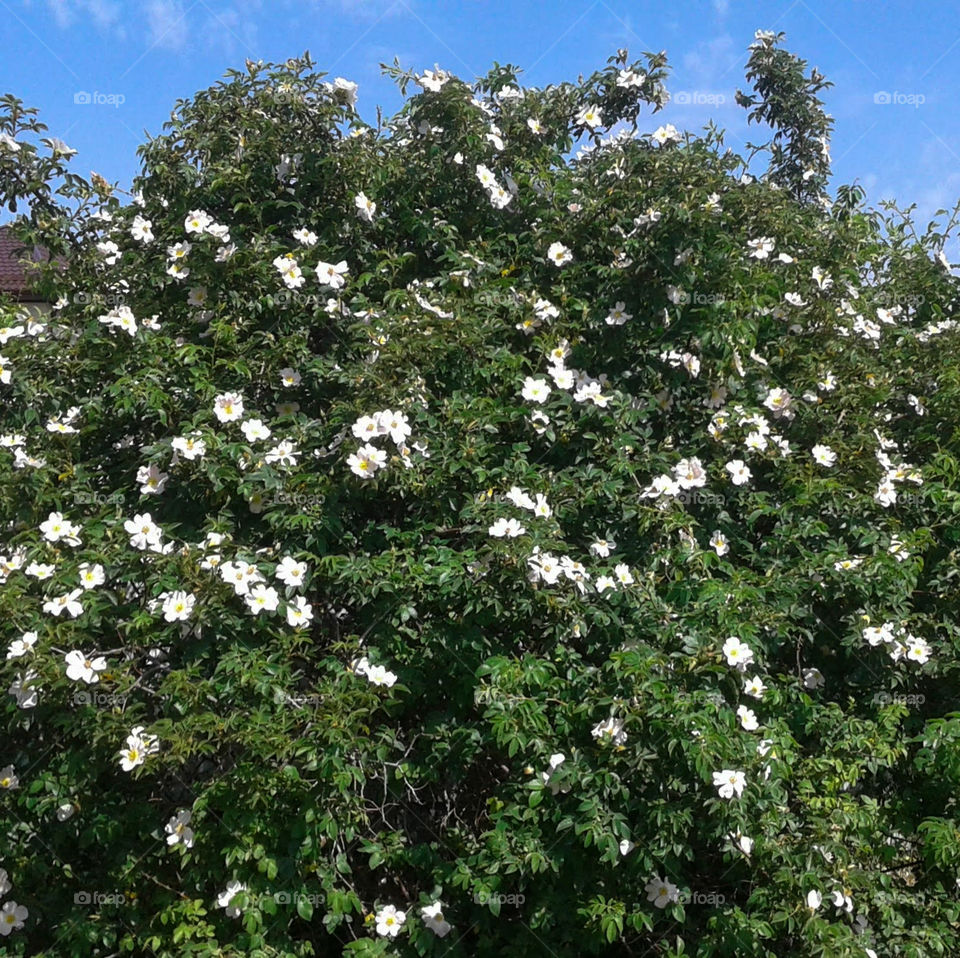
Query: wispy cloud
[
  {"x": 169, "y": 25},
  {"x": 166, "y": 24},
  {"x": 62, "y": 14},
  {"x": 234, "y": 29},
  {"x": 104, "y": 13},
  {"x": 714, "y": 61}
]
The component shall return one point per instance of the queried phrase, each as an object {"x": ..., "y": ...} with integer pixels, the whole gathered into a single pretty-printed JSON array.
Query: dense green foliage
[{"x": 714, "y": 406}]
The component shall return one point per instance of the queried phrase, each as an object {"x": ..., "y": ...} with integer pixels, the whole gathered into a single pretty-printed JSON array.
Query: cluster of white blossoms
[
  {"x": 687, "y": 360},
  {"x": 139, "y": 746},
  {"x": 761, "y": 247},
  {"x": 661, "y": 892},
  {"x": 198, "y": 224},
  {"x": 618, "y": 315},
  {"x": 738, "y": 653},
  {"x": 886, "y": 493},
  {"x": 289, "y": 270},
  {"x": 368, "y": 459},
  {"x": 558, "y": 254},
  {"x": 122, "y": 318},
  {"x": 389, "y": 921},
  {"x": 620, "y": 576},
  {"x": 249, "y": 583},
  {"x": 756, "y": 430},
  {"x": 225, "y": 898},
  {"x": 842, "y": 901},
  {"x": 57, "y": 529},
  {"x": 540, "y": 507},
  {"x": 433, "y": 80},
  {"x": 366, "y": 208},
  {"x": 543, "y": 312},
  {"x": 549, "y": 778},
  {"x": 586, "y": 388},
  {"x": 12, "y": 915},
  {"x": 740, "y": 452},
  {"x": 25, "y": 690},
  {"x": 499, "y": 197},
  {"x": 178, "y": 829},
  {"x": 901, "y": 644},
  {"x": 823, "y": 455},
  {"x": 719, "y": 543},
  {"x": 146, "y": 535},
  {"x": 332, "y": 275},
  {"x": 21, "y": 458},
  {"x": 729, "y": 782},
  {"x": 687, "y": 474},
  {"x": 610, "y": 732},
  {"x": 84, "y": 668},
  {"x": 374, "y": 674},
  {"x": 152, "y": 480},
  {"x": 548, "y": 568},
  {"x": 228, "y": 407},
  {"x": 666, "y": 134}
]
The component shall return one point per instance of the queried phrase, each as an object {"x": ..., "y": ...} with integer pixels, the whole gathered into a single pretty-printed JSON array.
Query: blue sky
[{"x": 151, "y": 52}]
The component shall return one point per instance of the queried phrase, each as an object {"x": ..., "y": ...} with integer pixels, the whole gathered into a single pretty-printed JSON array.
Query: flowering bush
[{"x": 494, "y": 533}]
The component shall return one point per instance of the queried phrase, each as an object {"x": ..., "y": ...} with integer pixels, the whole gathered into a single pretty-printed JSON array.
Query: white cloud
[
  {"x": 105, "y": 13},
  {"x": 62, "y": 14},
  {"x": 233, "y": 31},
  {"x": 713, "y": 61},
  {"x": 166, "y": 24}
]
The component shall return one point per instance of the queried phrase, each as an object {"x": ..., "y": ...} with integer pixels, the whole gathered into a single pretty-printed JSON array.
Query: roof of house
[{"x": 13, "y": 272}]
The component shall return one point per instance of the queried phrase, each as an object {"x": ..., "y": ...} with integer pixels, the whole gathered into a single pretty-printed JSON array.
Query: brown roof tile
[{"x": 13, "y": 272}]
